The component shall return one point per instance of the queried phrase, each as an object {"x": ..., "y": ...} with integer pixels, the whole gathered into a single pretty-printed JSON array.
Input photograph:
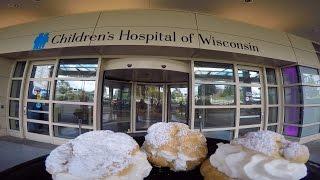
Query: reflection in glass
[
  {"x": 148, "y": 105},
  {"x": 178, "y": 103},
  {"x": 289, "y": 130},
  {"x": 243, "y": 132},
  {"x": 13, "y": 108},
  {"x": 293, "y": 95},
  {"x": 309, "y": 130},
  {"x": 272, "y": 128},
  {"x": 214, "y": 118},
  {"x": 19, "y": 69},
  {"x": 67, "y": 132},
  {"x": 292, "y": 115},
  {"x": 77, "y": 68},
  {"x": 273, "y": 115},
  {"x": 290, "y": 75},
  {"x": 76, "y": 91},
  {"x": 38, "y": 128},
  {"x": 38, "y": 111},
  {"x": 39, "y": 90},
  {"x": 15, "y": 88},
  {"x": 209, "y": 71},
  {"x": 248, "y": 76},
  {"x": 210, "y": 94},
  {"x": 71, "y": 113},
  {"x": 38, "y": 116},
  {"x": 302, "y": 115},
  {"x": 38, "y": 106},
  {"x": 250, "y": 95},
  {"x": 225, "y": 135},
  {"x": 309, "y": 75},
  {"x": 42, "y": 71},
  {"x": 273, "y": 95},
  {"x": 250, "y": 116},
  {"x": 14, "y": 124},
  {"x": 116, "y": 106},
  {"x": 311, "y": 114},
  {"x": 271, "y": 76},
  {"x": 311, "y": 95}
]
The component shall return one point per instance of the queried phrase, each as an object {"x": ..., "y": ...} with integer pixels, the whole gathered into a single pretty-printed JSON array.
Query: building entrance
[{"x": 134, "y": 99}]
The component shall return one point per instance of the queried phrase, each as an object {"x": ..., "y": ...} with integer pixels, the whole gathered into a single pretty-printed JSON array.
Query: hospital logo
[{"x": 40, "y": 41}]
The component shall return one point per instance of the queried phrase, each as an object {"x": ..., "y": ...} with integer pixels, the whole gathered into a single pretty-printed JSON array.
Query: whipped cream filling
[
  {"x": 139, "y": 170},
  {"x": 179, "y": 160},
  {"x": 235, "y": 162}
]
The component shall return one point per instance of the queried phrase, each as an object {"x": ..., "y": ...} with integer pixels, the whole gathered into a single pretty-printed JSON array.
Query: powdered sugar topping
[
  {"x": 93, "y": 155},
  {"x": 159, "y": 134},
  {"x": 266, "y": 142},
  {"x": 294, "y": 149}
]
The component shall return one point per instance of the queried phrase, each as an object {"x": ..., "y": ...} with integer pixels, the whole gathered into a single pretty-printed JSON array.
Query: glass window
[
  {"x": 292, "y": 115},
  {"x": 209, "y": 71},
  {"x": 290, "y": 130},
  {"x": 15, "y": 88},
  {"x": 271, "y": 76},
  {"x": 37, "y": 107},
  {"x": 39, "y": 90},
  {"x": 69, "y": 113},
  {"x": 38, "y": 111},
  {"x": 290, "y": 75},
  {"x": 309, "y": 130},
  {"x": 250, "y": 116},
  {"x": 273, "y": 128},
  {"x": 225, "y": 135},
  {"x": 215, "y": 118},
  {"x": 77, "y": 68},
  {"x": 293, "y": 95},
  {"x": 311, "y": 95},
  {"x": 148, "y": 105},
  {"x": 76, "y": 91},
  {"x": 116, "y": 106},
  {"x": 209, "y": 94},
  {"x": 309, "y": 75},
  {"x": 311, "y": 115},
  {"x": 250, "y": 95},
  {"x": 273, "y": 115},
  {"x": 38, "y": 128},
  {"x": 249, "y": 76},
  {"x": 273, "y": 95},
  {"x": 178, "y": 103},
  {"x": 302, "y": 115},
  {"x": 38, "y": 116},
  {"x": 42, "y": 71},
  {"x": 67, "y": 132},
  {"x": 13, "y": 108},
  {"x": 19, "y": 69},
  {"x": 243, "y": 132},
  {"x": 14, "y": 124}
]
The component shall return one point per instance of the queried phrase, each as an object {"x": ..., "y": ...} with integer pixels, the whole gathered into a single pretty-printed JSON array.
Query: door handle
[{"x": 25, "y": 110}]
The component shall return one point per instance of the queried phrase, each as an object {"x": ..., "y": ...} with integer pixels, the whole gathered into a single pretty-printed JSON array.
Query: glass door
[
  {"x": 116, "y": 106},
  {"x": 149, "y": 107},
  {"x": 250, "y": 100},
  {"x": 177, "y": 103},
  {"x": 38, "y": 95}
]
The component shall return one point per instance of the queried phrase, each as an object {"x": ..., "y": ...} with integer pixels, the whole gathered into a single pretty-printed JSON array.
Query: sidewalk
[
  {"x": 14, "y": 151},
  {"x": 314, "y": 148}
]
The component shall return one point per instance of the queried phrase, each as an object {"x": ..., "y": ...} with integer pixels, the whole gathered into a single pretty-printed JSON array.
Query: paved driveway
[
  {"x": 314, "y": 148},
  {"x": 14, "y": 151}
]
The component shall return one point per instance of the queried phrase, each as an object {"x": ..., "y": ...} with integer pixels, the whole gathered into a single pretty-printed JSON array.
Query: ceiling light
[
  {"x": 14, "y": 5},
  {"x": 248, "y": 1}
]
